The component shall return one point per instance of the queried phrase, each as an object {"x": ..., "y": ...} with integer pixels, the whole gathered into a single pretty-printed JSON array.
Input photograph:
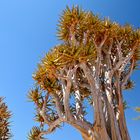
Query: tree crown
[
  {"x": 98, "y": 43},
  {"x": 5, "y": 115}
]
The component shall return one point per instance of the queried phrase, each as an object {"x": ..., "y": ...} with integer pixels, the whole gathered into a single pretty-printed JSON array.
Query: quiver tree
[
  {"x": 94, "y": 63},
  {"x": 4, "y": 121}
]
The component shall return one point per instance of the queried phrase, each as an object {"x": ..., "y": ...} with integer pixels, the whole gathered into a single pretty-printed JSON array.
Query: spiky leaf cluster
[
  {"x": 76, "y": 23},
  {"x": 33, "y": 135},
  {"x": 5, "y": 115}
]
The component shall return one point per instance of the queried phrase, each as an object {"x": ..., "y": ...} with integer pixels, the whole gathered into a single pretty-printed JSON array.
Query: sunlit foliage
[{"x": 5, "y": 115}]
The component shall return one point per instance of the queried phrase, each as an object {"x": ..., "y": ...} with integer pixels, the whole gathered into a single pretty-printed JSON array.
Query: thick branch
[
  {"x": 128, "y": 74},
  {"x": 59, "y": 106},
  {"x": 66, "y": 95},
  {"x": 43, "y": 110},
  {"x": 119, "y": 49},
  {"x": 79, "y": 109},
  {"x": 123, "y": 62},
  {"x": 52, "y": 127},
  {"x": 103, "y": 41}
]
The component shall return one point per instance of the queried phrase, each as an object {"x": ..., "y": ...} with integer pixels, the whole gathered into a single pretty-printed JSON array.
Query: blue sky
[{"x": 27, "y": 32}]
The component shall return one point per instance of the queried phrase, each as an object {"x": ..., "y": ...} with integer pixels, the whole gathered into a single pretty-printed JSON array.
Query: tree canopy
[
  {"x": 5, "y": 115},
  {"x": 95, "y": 56}
]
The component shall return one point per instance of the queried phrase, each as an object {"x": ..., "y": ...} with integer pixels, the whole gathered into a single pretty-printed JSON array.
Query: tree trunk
[
  {"x": 122, "y": 121},
  {"x": 109, "y": 118},
  {"x": 113, "y": 129}
]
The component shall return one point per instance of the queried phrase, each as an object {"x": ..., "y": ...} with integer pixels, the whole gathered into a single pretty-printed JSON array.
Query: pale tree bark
[
  {"x": 109, "y": 123},
  {"x": 105, "y": 85}
]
